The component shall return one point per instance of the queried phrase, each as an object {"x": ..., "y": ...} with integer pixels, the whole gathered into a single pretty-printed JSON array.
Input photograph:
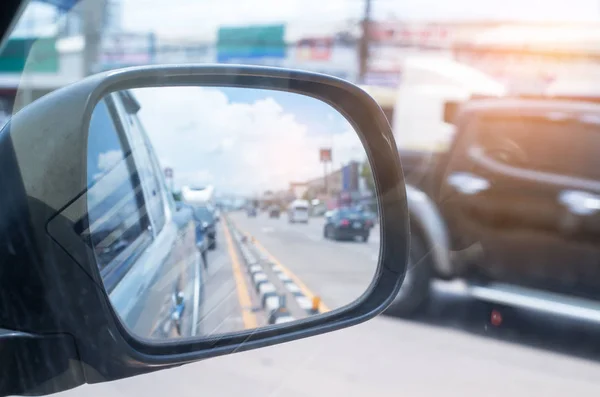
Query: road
[
  {"x": 220, "y": 311},
  {"x": 450, "y": 350}
]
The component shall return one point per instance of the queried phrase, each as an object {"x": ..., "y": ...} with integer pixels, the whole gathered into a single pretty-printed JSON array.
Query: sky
[
  {"x": 243, "y": 141},
  {"x": 200, "y": 18}
]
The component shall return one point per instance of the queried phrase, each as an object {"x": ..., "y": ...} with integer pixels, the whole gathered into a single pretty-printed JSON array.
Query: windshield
[
  {"x": 502, "y": 292},
  {"x": 351, "y": 213}
]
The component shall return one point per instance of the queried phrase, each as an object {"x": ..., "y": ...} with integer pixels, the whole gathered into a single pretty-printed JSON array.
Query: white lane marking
[
  {"x": 286, "y": 319},
  {"x": 259, "y": 277},
  {"x": 255, "y": 269},
  {"x": 266, "y": 288},
  {"x": 277, "y": 269},
  {"x": 304, "y": 302},
  {"x": 283, "y": 277},
  {"x": 272, "y": 303},
  {"x": 268, "y": 229},
  {"x": 293, "y": 288}
]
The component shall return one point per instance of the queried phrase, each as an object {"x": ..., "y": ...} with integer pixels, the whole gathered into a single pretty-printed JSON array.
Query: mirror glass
[{"x": 214, "y": 210}]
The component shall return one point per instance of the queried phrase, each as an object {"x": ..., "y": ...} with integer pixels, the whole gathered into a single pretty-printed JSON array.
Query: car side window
[
  {"x": 155, "y": 203},
  {"x": 117, "y": 222},
  {"x": 158, "y": 171}
]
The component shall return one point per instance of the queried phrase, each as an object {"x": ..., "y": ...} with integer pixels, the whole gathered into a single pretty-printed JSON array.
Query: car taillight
[{"x": 344, "y": 222}]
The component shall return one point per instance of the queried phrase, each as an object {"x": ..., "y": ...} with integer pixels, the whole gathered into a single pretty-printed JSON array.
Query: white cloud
[
  {"x": 238, "y": 147},
  {"x": 109, "y": 159}
]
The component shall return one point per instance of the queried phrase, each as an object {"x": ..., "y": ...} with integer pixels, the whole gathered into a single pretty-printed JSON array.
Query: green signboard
[
  {"x": 40, "y": 55},
  {"x": 250, "y": 42}
]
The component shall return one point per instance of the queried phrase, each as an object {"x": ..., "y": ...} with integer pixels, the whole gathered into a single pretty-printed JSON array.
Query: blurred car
[
  {"x": 251, "y": 212},
  {"x": 124, "y": 225},
  {"x": 206, "y": 217},
  {"x": 513, "y": 207},
  {"x": 274, "y": 211},
  {"x": 298, "y": 211},
  {"x": 369, "y": 215},
  {"x": 202, "y": 242},
  {"x": 347, "y": 224}
]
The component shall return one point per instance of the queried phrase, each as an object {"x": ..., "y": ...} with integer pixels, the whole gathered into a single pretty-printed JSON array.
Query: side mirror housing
[{"x": 53, "y": 291}]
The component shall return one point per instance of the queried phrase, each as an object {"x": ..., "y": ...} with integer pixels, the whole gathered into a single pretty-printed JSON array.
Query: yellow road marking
[
  {"x": 242, "y": 291},
  {"x": 305, "y": 290}
]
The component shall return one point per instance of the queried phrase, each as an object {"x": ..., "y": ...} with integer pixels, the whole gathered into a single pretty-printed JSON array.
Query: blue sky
[
  {"x": 242, "y": 140},
  {"x": 319, "y": 117}
]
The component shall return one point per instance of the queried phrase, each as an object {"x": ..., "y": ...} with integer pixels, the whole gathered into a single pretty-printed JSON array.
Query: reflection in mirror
[{"x": 214, "y": 210}]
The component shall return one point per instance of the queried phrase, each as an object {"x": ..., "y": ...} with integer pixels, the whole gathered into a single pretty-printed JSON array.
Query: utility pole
[
  {"x": 93, "y": 16},
  {"x": 363, "y": 49}
]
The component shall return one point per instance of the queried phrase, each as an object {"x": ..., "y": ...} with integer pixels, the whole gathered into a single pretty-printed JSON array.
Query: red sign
[
  {"x": 325, "y": 155},
  {"x": 411, "y": 34},
  {"x": 314, "y": 49}
]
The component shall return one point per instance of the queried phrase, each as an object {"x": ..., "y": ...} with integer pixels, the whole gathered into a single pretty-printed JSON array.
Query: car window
[
  {"x": 116, "y": 209},
  {"x": 153, "y": 190},
  {"x": 540, "y": 144},
  {"x": 158, "y": 171}
]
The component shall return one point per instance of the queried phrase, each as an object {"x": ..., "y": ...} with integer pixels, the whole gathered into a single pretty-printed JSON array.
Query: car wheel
[
  {"x": 365, "y": 237},
  {"x": 415, "y": 290},
  {"x": 213, "y": 244}
]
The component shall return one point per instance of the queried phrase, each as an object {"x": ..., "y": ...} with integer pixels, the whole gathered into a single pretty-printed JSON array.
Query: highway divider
[{"x": 271, "y": 283}]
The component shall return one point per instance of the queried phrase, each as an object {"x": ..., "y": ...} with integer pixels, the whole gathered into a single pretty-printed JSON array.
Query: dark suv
[{"x": 514, "y": 203}]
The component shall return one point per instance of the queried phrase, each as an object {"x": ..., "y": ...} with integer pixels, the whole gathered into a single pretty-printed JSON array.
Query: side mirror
[
  {"x": 451, "y": 109},
  {"x": 88, "y": 232}
]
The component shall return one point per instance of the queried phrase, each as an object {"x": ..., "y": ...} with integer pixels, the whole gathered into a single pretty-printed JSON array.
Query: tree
[{"x": 367, "y": 174}]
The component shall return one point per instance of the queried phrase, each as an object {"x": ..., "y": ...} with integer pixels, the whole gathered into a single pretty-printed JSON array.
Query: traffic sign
[
  {"x": 315, "y": 49},
  {"x": 251, "y": 43},
  {"x": 40, "y": 55},
  {"x": 325, "y": 155}
]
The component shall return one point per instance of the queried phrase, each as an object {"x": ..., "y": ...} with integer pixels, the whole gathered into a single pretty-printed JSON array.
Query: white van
[
  {"x": 298, "y": 211},
  {"x": 198, "y": 195},
  {"x": 416, "y": 108}
]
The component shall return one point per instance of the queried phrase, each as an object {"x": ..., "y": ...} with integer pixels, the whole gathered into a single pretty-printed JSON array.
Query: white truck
[{"x": 204, "y": 195}]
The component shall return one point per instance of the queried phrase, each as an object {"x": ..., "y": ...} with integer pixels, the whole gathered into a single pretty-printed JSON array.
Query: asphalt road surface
[
  {"x": 451, "y": 350},
  {"x": 220, "y": 311}
]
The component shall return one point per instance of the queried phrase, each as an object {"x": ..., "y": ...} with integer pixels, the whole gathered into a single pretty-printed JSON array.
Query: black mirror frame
[{"x": 105, "y": 349}]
